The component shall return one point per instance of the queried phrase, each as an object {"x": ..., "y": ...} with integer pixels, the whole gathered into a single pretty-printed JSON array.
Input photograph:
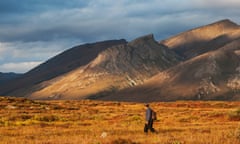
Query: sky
[{"x": 32, "y": 31}]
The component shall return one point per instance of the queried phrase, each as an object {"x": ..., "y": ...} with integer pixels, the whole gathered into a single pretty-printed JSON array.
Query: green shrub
[
  {"x": 46, "y": 118},
  {"x": 234, "y": 115},
  {"x": 22, "y": 117}
]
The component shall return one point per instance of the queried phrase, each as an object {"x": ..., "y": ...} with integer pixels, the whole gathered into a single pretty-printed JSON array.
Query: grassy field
[{"x": 24, "y": 121}]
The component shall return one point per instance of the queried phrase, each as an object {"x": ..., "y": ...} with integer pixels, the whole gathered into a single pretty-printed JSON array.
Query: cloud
[
  {"x": 33, "y": 49},
  {"x": 33, "y": 6},
  {"x": 35, "y": 30},
  {"x": 23, "y": 52},
  {"x": 19, "y": 67},
  {"x": 218, "y": 4},
  {"x": 98, "y": 20}
]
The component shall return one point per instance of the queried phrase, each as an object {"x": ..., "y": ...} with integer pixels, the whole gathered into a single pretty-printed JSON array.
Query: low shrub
[
  {"x": 234, "y": 115},
  {"x": 123, "y": 141},
  {"x": 46, "y": 118}
]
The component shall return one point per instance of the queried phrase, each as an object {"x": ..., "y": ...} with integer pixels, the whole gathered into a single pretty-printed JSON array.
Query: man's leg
[
  {"x": 146, "y": 128},
  {"x": 151, "y": 126}
]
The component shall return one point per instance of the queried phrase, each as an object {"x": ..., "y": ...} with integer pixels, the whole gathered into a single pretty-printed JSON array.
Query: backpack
[{"x": 154, "y": 115}]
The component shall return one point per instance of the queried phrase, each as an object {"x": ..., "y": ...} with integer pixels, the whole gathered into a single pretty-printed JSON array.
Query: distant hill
[
  {"x": 5, "y": 77},
  {"x": 199, "y": 64}
]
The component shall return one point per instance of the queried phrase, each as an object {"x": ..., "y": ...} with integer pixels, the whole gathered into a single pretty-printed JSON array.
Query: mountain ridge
[
  {"x": 58, "y": 65},
  {"x": 201, "y": 36},
  {"x": 113, "y": 69},
  {"x": 202, "y": 82}
]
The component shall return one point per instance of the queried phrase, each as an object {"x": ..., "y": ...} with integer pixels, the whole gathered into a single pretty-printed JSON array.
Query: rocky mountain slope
[
  {"x": 212, "y": 74},
  {"x": 115, "y": 68}
]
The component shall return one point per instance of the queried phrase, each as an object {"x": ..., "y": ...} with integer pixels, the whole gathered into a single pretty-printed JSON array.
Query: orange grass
[{"x": 24, "y": 121}]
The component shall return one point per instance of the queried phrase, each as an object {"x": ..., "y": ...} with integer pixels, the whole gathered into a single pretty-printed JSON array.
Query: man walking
[{"x": 150, "y": 114}]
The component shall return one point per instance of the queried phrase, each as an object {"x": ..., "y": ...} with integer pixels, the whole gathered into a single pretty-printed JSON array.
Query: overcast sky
[{"x": 32, "y": 31}]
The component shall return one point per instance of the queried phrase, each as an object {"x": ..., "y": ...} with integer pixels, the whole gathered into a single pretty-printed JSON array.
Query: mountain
[
  {"x": 199, "y": 64},
  {"x": 210, "y": 71},
  {"x": 211, "y": 76},
  {"x": 203, "y": 39},
  {"x": 65, "y": 62},
  {"x": 5, "y": 77},
  {"x": 115, "y": 68}
]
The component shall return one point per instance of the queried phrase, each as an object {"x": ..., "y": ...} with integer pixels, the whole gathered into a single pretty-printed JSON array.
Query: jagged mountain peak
[
  {"x": 143, "y": 39},
  {"x": 141, "y": 51}
]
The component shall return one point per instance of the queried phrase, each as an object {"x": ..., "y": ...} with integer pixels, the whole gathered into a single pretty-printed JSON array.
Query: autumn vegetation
[{"x": 24, "y": 121}]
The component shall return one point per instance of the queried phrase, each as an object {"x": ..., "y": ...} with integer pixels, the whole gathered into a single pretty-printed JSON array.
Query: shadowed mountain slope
[
  {"x": 5, "y": 77},
  {"x": 58, "y": 65}
]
